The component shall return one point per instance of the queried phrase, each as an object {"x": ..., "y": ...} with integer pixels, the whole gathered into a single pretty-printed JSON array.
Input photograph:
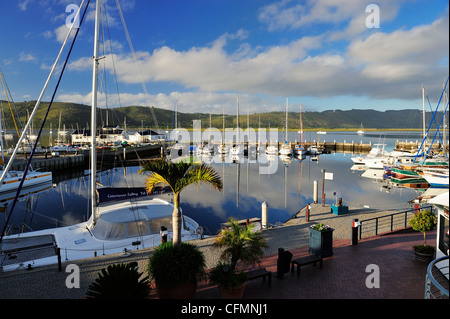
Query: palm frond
[{"x": 180, "y": 175}]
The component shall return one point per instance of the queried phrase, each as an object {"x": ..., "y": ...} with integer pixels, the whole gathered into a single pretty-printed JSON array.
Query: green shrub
[
  {"x": 171, "y": 265},
  {"x": 119, "y": 281}
]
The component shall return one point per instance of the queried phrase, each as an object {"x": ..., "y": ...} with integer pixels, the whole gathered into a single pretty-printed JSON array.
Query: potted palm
[
  {"x": 240, "y": 243},
  {"x": 423, "y": 221},
  {"x": 178, "y": 176},
  {"x": 230, "y": 281},
  {"x": 176, "y": 270}
]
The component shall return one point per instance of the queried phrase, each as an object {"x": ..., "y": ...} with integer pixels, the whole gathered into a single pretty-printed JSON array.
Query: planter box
[
  {"x": 339, "y": 210},
  {"x": 321, "y": 242}
]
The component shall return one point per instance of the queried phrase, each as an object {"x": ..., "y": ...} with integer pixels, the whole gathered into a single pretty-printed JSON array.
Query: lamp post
[{"x": 323, "y": 187}]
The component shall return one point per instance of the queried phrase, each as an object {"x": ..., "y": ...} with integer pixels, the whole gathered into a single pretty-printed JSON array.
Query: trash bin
[{"x": 283, "y": 262}]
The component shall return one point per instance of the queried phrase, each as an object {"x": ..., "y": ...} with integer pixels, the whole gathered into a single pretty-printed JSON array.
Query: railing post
[
  {"x": 376, "y": 226},
  {"x": 392, "y": 222}
]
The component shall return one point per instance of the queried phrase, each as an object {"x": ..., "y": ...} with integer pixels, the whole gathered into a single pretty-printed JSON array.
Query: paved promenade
[{"x": 343, "y": 275}]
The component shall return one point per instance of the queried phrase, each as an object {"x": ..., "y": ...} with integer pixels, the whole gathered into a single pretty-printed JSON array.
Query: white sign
[{"x": 329, "y": 176}]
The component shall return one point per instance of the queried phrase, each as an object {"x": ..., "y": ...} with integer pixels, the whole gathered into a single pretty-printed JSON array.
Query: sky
[{"x": 200, "y": 55}]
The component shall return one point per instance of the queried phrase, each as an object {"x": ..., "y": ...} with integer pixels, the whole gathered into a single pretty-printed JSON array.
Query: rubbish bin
[{"x": 283, "y": 262}]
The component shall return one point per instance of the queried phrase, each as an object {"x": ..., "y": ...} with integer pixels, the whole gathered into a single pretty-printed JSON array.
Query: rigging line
[
  {"x": 43, "y": 122},
  {"x": 8, "y": 96},
  {"x": 437, "y": 127},
  {"x": 27, "y": 126},
  {"x": 144, "y": 87},
  {"x": 434, "y": 113},
  {"x": 112, "y": 60},
  {"x": 445, "y": 110}
]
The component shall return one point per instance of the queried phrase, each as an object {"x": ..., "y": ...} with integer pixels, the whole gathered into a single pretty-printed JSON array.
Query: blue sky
[{"x": 201, "y": 54}]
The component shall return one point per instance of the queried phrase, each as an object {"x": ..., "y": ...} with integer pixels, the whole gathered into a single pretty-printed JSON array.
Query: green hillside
[{"x": 75, "y": 116}]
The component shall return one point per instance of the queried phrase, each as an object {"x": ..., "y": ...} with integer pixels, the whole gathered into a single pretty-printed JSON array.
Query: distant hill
[{"x": 75, "y": 116}]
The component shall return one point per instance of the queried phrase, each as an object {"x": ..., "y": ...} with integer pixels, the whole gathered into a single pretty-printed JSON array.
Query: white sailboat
[
  {"x": 237, "y": 149},
  {"x": 223, "y": 148},
  {"x": 113, "y": 227},
  {"x": 286, "y": 148},
  {"x": 10, "y": 179},
  {"x": 299, "y": 149},
  {"x": 360, "y": 131}
]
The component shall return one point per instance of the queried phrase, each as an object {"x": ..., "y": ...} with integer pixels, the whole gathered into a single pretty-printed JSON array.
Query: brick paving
[{"x": 344, "y": 275}]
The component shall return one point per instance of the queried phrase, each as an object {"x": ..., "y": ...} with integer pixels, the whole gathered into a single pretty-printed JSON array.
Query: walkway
[{"x": 343, "y": 275}]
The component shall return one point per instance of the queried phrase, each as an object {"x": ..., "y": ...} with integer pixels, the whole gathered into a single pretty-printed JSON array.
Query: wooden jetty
[
  {"x": 49, "y": 163},
  {"x": 414, "y": 145},
  {"x": 68, "y": 160}
]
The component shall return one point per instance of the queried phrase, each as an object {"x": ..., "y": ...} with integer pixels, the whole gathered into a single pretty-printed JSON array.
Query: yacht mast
[
  {"x": 423, "y": 111},
  {"x": 95, "y": 60}
]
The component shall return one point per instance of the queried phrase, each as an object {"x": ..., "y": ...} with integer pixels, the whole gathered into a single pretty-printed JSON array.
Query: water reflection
[{"x": 246, "y": 185}]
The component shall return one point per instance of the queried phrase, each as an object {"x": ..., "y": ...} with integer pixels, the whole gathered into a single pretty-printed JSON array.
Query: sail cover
[{"x": 128, "y": 219}]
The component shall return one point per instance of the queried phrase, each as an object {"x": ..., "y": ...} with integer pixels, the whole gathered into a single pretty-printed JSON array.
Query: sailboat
[
  {"x": 237, "y": 149},
  {"x": 10, "y": 180},
  {"x": 223, "y": 148},
  {"x": 360, "y": 131},
  {"x": 122, "y": 219},
  {"x": 286, "y": 149},
  {"x": 299, "y": 150}
]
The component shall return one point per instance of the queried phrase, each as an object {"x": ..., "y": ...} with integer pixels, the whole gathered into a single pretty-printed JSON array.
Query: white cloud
[
  {"x": 374, "y": 63},
  {"x": 26, "y": 57},
  {"x": 403, "y": 54},
  {"x": 24, "y": 4}
]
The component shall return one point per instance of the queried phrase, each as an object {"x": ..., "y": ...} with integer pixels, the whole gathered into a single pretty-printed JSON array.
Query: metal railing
[
  {"x": 436, "y": 279},
  {"x": 388, "y": 223}
]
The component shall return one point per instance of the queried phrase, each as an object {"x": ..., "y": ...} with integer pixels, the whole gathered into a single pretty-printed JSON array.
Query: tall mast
[
  {"x": 301, "y": 126},
  {"x": 237, "y": 119},
  {"x": 286, "y": 124},
  {"x": 423, "y": 110},
  {"x": 95, "y": 59}
]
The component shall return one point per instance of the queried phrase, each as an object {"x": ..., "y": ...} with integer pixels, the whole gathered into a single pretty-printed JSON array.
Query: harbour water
[{"x": 287, "y": 189}]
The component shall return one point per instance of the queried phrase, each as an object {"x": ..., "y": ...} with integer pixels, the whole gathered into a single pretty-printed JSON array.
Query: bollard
[
  {"x": 315, "y": 192},
  {"x": 308, "y": 211},
  {"x": 355, "y": 226},
  {"x": 264, "y": 214}
]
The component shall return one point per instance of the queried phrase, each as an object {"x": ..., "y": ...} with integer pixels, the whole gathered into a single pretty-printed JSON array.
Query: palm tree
[
  {"x": 178, "y": 176},
  {"x": 240, "y": 243}
]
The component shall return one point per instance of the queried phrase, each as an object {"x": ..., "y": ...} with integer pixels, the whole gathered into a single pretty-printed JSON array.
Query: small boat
[
  {"x": 360, "y": 131},
  {"x": 208, "y": 149},
  {"x": 286, "y": 149},
  {"x": 299, "y": 150},
  {"x": 437, "y": 179},
  {"x": 223, "y": 149},
  {"x": 313, "y": 150},
  {"x": 272, "y": 150},
  {"x": 33, "y": 178},
  {"x": 376, "y": 152}
]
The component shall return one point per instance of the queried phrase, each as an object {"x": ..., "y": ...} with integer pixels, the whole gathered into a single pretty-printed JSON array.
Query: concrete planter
[{"x": 321, "y": 242}]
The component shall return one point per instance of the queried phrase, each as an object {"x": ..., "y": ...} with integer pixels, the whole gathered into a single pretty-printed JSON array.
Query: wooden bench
[
  {"x": 259, "y": 273},
  {"x": 310, "y": 259}
]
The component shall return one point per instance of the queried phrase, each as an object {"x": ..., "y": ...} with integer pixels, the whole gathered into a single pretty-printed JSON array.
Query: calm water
[{"x": 288, "y": 189}]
